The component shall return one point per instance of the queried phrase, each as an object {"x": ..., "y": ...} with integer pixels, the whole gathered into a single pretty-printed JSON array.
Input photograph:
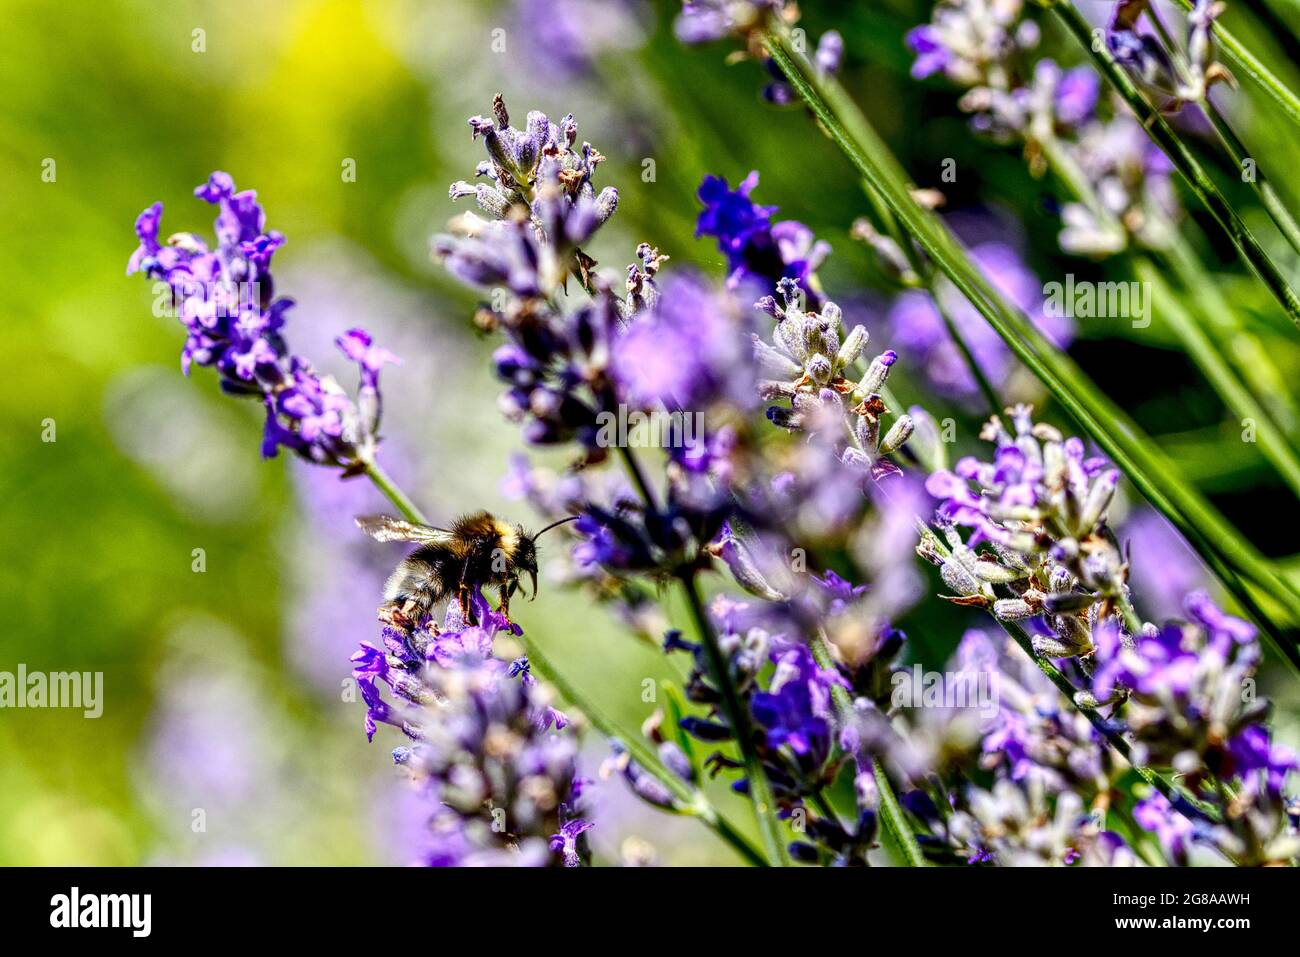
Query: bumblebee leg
[
  {"x": 399, "y": 617},
  {"x": 462, "y": 596},
  {"x": 504, "y": 606},
  {"x": 410, "y": 611},
  {"x": 463, "y": 593}
]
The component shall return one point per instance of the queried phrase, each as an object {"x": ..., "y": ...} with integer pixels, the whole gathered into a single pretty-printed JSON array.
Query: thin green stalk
[
  {"x": 1243, "y": 349},
  {"x": 1249, "y": 64},
  {"x": 824, "y": 805},
  {"x": 895, "y": 820},
  {"x": 384, "y": 482},
  {"x": 1232, "y": 558},
  {"x": 692, "y": 799},
  {"x": 1210, "y": 361},
  {"x": 1200, "y": 182},
  {"x": 760, "y": 789},
  {"x": 1251, "y": 361},
  {"x": 1277, "y": 209},
  {"x": 891, "y": 812},
  {"x": 925, "y": 274}
]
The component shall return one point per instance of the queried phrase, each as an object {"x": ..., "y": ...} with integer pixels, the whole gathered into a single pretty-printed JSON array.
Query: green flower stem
[
  {"x": 925, "y": 274},
  {"x": 760, "y": 789},
  {"x": 1243, "y": 349},
  {"x": 824, "y": 805},
  {"x": 895, "y": 820},
  {"x": 1267, "y": 194},
  {"x": 891, "y": 812},
  {"x": 1236, "y": 149},
  {"x": 1232, "y": 558},
  {"x": 1251, "y": 359},
  {"x": 1209, "y": 359},
  {"x": 1247, "y": 63},
  {"x": 384, "y": 482},
  {"x": 1178, "y": 799},
  {"x": 693, "y": 801},
  {"x": 1200, "y": 182}
]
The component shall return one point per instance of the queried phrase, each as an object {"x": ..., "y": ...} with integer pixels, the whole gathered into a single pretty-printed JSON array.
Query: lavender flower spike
[
  {"x": 1042, "y": 505},
  {"x": 487, "y": 750},
  {"x": 226, "y": 300}
]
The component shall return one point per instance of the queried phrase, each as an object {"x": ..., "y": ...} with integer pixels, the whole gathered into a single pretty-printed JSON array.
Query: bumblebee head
[{"x": 525, "y": 559}]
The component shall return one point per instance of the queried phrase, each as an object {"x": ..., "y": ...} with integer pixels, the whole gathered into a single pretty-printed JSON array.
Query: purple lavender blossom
[
  {"x": 1175, "y": 660},
  {"x": 1077, "y": 90},
  {"x": 972, "y": 42},
  {"x": 931, "y": 55},
  {"x": 755, "y": 247},
  {"x": 225, "y": 300},
  {"x": 1036, "y": 736},
  {"x": 689, "y": 352},
  {"x": 1174, "y": 832},
  {"x": 486, "y": 745},
  {"x": 796, "y": 710},
  {"x": 1163, "y": 568},
  {"x": 1019, "y": 827},
  {"x": 562, "y": 39},
  {"x": 1186, "y": 709},
  {"x": 542, "y": 203},
  {"x": 565, "y": 843}
]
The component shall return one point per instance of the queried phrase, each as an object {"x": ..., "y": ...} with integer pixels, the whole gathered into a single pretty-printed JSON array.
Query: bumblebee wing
[{"x": 386, "y": 528}]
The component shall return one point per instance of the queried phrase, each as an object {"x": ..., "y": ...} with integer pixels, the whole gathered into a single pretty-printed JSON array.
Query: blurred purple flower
[
  {"x": 563, "y": 38},
  {"x": 690, "y": 351},
  {"x": 917, "y": 327}
]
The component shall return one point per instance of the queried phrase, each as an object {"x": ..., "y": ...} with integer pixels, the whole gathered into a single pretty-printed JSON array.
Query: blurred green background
[{"x": 224, "y": 696}]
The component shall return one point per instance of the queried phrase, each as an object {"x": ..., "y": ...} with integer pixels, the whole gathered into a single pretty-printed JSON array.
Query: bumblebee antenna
[{"x": 571, "y": 518}]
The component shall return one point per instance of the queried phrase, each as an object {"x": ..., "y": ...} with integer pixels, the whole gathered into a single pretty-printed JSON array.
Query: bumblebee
[{"x": 478, "y": 550}]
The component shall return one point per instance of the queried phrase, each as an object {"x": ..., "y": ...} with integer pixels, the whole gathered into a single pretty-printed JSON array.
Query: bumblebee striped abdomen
[{"x": 424, "y": 577}]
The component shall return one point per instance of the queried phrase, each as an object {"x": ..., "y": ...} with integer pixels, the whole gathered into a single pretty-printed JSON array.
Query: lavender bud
[
  {"x": 958, "y": 578},
  {"x": 897, "y": 435},
  {"x": 1049, "y": 647},
  {"x": 830, "y": 52},
  {"x": 774, "y": 363},
  {"x": 606, "y": 204},
  {"x": 1014, "y": 609},
  {"x": 853, "y": 345},
  {"x": 675, "y": 760},
  {"x": 996, "y": 574},
  {"x": 820, "y": 370},
  {"x": 926, "y": 443},
  {"x": 1099, "y": 499},
  {"x": 878, "y": 372},
  {"x": 1067, "y": 603}
]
